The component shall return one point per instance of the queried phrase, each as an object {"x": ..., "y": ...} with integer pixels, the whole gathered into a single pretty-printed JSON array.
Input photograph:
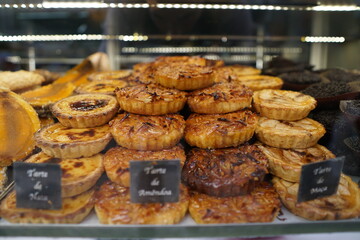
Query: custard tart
[
  {"x": 85, "y": 110},
  {"x": 102, "y": 87},
  {"x": 117, "y": 161},
  {"x": 261, "y": 205},
  {"x": 283, "y": 104},
  {"x": 220, "y": 98},
  {"x": 342, "y": 205},
  {"x": 260, "y": 82},
  {"x": 232, "y": 72},
  {"x": 74, "y": 210},
  {"x": 303, "y": 133},
  {"x": 62, "y": 142},
  {"x": 220, "y": 130},
  {"x": 150, "y": 99},
  {"x": 287, "y": 163},
  {"x": 109, "y": 75},
  {"x": 20, "y": 81},
  {"x": 113, "y": 206},
  {"x": 225, "y": 172},
  {"x": 78, "y": 174}
]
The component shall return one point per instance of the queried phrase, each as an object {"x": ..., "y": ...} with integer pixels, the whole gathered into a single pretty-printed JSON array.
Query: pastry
[
  {"x": 147, "y": 132},
  {"x": 18, "y": 123},
  {"x": 151, "y": 99},
  {"x": 261, "y": 205},
  {"x": 282, "y": 104},
  {"x": 225, "y": 172},
  {"x": 232, "y": 72},
  {"x": 260, "y": 82},
  {"x": 74, "y": 210},
  {"x": 117, "y": 161},
  {"x": 103, "y": 87},
  {"x": 109, "y": 75},
  {"x": 342, "y": 205},
  {"x": 220, "y": 130},
  {"x": 144, "y": 73},
  {"x": 113, "y": 206},
  {"x": 287, "y": 163},
  {"x": 3, "y": 178},
  {"x": 78, "y": 174},
  {"x": 303, "y": 133},
  {"x": 85, "y": 110},
  {"x": 62, "y": 142},
  {"x": 20, "y": 81},
  {"x": 220, "y": 98}
]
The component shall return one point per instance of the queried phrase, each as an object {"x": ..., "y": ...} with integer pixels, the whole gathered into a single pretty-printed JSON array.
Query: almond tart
[
  {"x": 220, "y": 98},
  {"x": 78, "y": 174},
  {"x": 113, "y": 206},
  {"x": 85, "y": 110},
  {"x": 102, "y": 87},
  {"x": 303, "y": 133},
  {"x": 18, "y": 123},
  {"x": 283, "y": 104},
  {"x": 147, "y": 132},
  {"x": 109, "y": 75},
  {"x": 74, "y": 210},
  {"x": 232, "y": 72},
  {"x": 342, "y": 205},
  {"x": 261, "y": 205},
  {"x": 260, "y": 82},
  {"x": 144, "y": 73},
  {"x": 150, "y": 99},
  {"x": 117, "y": 161},
  {"x": 224, "y": 172},
  {"x": 62, "y": 142},
  {"x": 184, "y": 77},
  {"x": 220, "y": 130},
  {"x": 287, "y": 163}
]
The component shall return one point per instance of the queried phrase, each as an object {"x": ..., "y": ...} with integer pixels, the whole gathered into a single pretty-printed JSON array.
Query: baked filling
[
  {"x": 103, "y": 87},
  {"x": 260, "y": 82},
  {"x": 109, "y": 75},
  {"x": 232, "y": 72}
]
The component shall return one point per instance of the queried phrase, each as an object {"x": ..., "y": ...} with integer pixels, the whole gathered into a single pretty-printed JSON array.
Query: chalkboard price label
[
  {"x": 320, "y": 179},
  {"x": 154, "y": 181},
  {"x": 37, "y": 185}
]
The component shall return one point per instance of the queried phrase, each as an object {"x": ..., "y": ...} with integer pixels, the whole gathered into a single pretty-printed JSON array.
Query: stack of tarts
[{"x": 289, "y": 140}]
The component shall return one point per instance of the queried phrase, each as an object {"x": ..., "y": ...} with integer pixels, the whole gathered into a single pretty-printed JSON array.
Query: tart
[
  {"x": 261, "y": 205},
  {"x": 227, "y": 172},
  {"x": 232, "y": 72},
  {"x": 184, "y": 77},
  {"x": 287, "y": 163},
  {"x": 303, "y": 133},
  {"x": 220, "y": 130},
  {"x": 185, "y": 60},
  {"x": 117, "y": 161},
  {"x": 78, "y": 174},
  {"x": 141, "y": 132},
  {"x": 103, "y": 87},
  {"x": 18, "y": 123},
  {"x": 62, "y": 142},
  {"x": 144, "y": 73},
  {"x": 342, "y": 205},
  {"x": 220, "y": 98},
  {"x": 113, "y": 206},
  {"x": 109, "y": 75},
  {"x": 260, "y": 82},
  {"x": 20, "y": 81},
  {"x": 85, "y": 110},
  {"x": 150, "y": 99},
  {"x": 74, "y": 210},
  {"x": 282, "y": 104},
  {"x": 3, "y": 178}
]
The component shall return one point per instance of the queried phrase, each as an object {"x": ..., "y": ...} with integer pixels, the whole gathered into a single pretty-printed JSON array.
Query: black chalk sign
[
  {"x": 37, "y": 185},
  {"x": 320, "y": 179},
  {"x": 154, "y": 181}
]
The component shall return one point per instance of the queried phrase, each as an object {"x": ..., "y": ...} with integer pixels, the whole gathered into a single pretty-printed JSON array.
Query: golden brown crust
[
  {"x": 220, "y": 130},
  {"x": 283, "y": 104},
  {"x": 344, "y": 204},
  {"x": 286, "y": 163},
  {"x": 103, "y": 87},
  {"x": 150, "y": 99},
  {"x": 220, "y": 98},
  {"x": 117, "y": 161},
  {"x": 16, "y": 81},
  {"x": 85, "y": 110},
  {"x": 225, "y": 172},
  {"x": 74, "y": 210},
  {"x": 109, "y": 75},
  {"x": 113, "y": 206},
  {"x": 141, "y": 132},
  {"x": 232, "y": 72},
  {"x": 261, "y": 205},
  {"x": 63, "y": 142},
  {"x": 303, "y": 133},
  {"x": 184, "y": 60},
  {"x": 144, "y": 72},
  {"x": 78, "y": 174},
  {"x": 260, "y": 82}
]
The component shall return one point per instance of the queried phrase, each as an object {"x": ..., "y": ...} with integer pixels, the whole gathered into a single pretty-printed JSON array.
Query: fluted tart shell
[
  {"x": 62, "y": 142},
  {"x": 220, "y": 130},
  {"x": 150, "y": 99},
  {"x": 141, "y": 132},
  {"x": 117, "y": 161},
  {"x": 113, "y": 206},
  {"x": 225, "y": 172}
]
